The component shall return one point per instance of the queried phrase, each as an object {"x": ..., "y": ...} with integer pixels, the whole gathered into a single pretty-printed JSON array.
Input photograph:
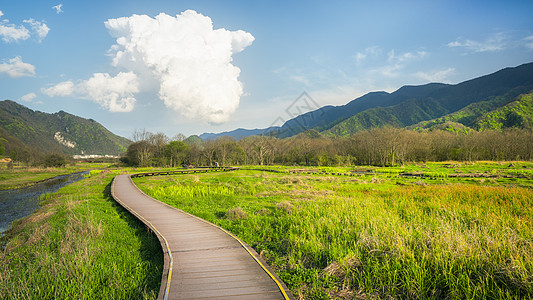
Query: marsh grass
[
  {"x": 80, "y": 245},
  {"x": 345, "y": 236},
  {"x": 20, "y": 176}
]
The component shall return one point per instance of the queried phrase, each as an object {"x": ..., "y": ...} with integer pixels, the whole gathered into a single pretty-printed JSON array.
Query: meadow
[
  {"x": 80, "y": 245},
  {"x": 419, "y": 231},
  {"x": 21, "y": 175},
  {"x": 436, "y": 230}
]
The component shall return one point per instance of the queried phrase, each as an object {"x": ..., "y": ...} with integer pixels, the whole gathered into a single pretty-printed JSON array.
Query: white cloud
[
  {"x": 496, "y": 42},
  {"x": 397, "y": 62},
  {"x": 301, "y": 79},
  {"x": 115, "y": 94},
  {"x": 436, "y": 76},
  {"x": 529, "y": 42},
  {"x": 65, "y": 88},
  {"x": 191, "y": 61},
  {"x": 58, "y": 8},
  {"x": 405, "y": 57},
  {"x": 28, "y": 97},
  {"x": 16, "y": 68},
  {"x": 13, "y": 33},
  {"x": 373, "y": 51},
  {"x": 39, "y": 28}
]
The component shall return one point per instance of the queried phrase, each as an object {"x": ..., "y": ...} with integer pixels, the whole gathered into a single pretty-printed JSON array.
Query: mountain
[
  {"x": 434, "y": 105},
  {"x": 489, "y": 92},
  {"x": 517, "y": 114},
  {"x": 328, "y": 116},
  {"x": 58, "y": 132},
  {"x": 238, "y": 134}
]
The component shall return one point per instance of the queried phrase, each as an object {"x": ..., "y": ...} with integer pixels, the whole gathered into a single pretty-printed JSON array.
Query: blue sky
[{"x": 121, "y": 63}]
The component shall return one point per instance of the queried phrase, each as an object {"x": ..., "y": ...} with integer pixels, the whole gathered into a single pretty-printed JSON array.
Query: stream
[{"x": 21, "y": 202}]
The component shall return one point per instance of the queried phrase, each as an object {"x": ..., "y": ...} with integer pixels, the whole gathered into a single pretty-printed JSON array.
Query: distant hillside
[
  {"x": 328, "y": 116},
  {"x": 517, "y": 114},
  {"x": 480, "y": 95},
  {"x": 238, "y": 134},
  {"x": 58, "y": 132},
  {"x": 434, "y": 105}
]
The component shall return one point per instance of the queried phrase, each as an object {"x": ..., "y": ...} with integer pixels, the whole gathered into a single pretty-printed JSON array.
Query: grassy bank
[
  {"x": 20, "y": 176},
  {"x": 80, "y": 245},
  {"x": 375, "y": 235}
]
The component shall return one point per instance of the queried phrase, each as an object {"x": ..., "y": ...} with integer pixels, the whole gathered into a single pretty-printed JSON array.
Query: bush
[{"x": 54, "y": 160}]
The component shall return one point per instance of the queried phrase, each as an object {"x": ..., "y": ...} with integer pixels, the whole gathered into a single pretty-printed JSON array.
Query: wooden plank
[{"x": 203, "y": 260}]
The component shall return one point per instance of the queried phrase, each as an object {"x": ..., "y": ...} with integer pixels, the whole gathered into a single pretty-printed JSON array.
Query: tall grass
[
  {"x": 20, "y": 176},
  {"x": 343, "y": 237},
  {"x": 80, "y": 245}
]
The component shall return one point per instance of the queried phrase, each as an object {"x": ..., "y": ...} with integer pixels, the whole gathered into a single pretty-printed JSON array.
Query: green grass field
[
  {"x": 80, "y": 245},
  {"x": 376, "y": 234},
  {"x": 434, "y": 230},
  {"x": 20, "y": 176}
]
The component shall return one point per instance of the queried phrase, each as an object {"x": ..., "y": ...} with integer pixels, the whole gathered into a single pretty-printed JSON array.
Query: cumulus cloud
[
  {"x": 65, "y": 88},
  {"x": 191, "y": 61},
  {"x": 115, "y": 94},
  {"x": 58, "y": 8},
  {"x": 28, "y": 97},
  {"x": 13, "y": 33},
  {"x": 16, "y": 68}
]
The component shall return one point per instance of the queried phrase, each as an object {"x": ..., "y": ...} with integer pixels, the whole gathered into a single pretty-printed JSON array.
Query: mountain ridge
[
  {"x": 411, "y": 104},
  {"x": 58, "y": 132}
]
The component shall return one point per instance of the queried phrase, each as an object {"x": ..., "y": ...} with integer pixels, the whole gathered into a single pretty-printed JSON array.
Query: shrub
[{"x": 54, "y": 160}]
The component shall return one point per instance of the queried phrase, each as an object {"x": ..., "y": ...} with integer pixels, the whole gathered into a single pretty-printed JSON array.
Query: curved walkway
[{"x": 202, "y": 260}]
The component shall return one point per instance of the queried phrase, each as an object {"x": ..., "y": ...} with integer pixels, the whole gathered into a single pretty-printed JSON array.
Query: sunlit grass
[
  {"x": 374, "y": 235},
  {"x": 20, "y": 176},
  {"x": 80, "y": 245}
]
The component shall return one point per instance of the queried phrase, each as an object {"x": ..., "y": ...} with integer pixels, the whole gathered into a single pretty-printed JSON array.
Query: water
[{"x": 19, "y": 203}]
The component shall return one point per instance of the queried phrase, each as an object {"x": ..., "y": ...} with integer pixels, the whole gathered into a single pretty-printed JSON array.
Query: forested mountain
[
  {"x": 498, "y": 113},
  {"x": 59, "y": 132},
  {"x": 480, "y": 95},
  {"x": 433, "y": 105}
]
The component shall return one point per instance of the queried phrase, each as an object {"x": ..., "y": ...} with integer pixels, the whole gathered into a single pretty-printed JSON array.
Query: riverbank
[
  {"x": 80, "y": 243},
  {"x": 23, "y": 176}
]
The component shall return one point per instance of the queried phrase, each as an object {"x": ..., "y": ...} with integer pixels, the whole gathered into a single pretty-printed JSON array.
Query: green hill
[
  {"x": 462, "y": 103},
  {"x": 497, "y": 113},
  {"x": 517, "y": 114},
  {"x": 58, "y": 132}
]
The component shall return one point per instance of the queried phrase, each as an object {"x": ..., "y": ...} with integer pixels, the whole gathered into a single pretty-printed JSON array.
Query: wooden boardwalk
[{"x": 202, "y": 260}]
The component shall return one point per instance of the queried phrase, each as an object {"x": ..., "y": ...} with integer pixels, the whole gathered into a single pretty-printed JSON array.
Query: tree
[
  {"x": 179, "y": 137},
  {"x": 54, "y": 160},
  {"x": 258, "y": 149},
  {"x": 140, "y": 153},
  {"x": 140, "y": 135},
  {"x": 227, "y": 151},
  {"x": 2, "y": 148},
  {"x": 176, "y": 153}
]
